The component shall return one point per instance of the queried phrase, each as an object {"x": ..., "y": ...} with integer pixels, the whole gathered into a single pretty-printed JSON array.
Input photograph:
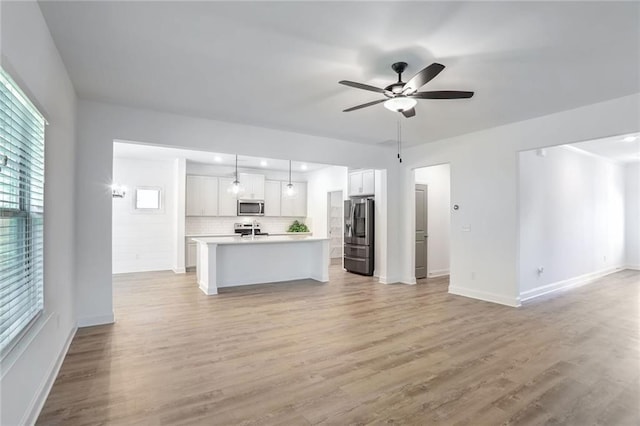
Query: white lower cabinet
[{"x": 192, "y": 255}]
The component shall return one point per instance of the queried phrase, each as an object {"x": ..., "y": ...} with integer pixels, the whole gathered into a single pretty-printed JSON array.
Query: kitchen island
[{"x": 234, "y": 261}]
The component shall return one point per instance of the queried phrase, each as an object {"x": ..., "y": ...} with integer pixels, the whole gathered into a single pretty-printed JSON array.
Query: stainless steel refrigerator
[{"x": 358, "y": 235}]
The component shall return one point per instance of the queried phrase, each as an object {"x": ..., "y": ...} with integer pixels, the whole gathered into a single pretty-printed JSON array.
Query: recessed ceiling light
[
  {"x": 303, "y": 167},
  {"x": 630, "y": 138},
  {"x": 217, "y": 158},
  {"x": 263, "y": 163}
]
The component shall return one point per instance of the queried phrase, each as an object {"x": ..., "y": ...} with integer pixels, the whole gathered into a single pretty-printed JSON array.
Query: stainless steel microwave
[{"x": 250, "y": 208}]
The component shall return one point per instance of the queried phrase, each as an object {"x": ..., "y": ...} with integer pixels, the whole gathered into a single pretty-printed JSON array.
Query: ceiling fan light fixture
[{"x": 400, "y": 103}]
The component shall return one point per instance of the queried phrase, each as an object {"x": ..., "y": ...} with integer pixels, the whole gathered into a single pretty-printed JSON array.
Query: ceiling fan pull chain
[{"x": 399, "y": 140}]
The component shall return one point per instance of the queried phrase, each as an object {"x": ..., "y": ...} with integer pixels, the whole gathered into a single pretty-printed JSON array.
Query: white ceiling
[
  {"x": 615, "y": 147},
  {"x": 278, "y": 64},
  {"x": 150, "y": 152}
]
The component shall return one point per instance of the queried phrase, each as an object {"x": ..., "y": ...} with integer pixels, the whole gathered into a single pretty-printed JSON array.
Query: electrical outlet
[{"x": 473, "y": 275}]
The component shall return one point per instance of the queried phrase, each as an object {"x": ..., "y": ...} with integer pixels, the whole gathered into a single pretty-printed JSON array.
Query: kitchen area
[{"x": 232, "y": 202}]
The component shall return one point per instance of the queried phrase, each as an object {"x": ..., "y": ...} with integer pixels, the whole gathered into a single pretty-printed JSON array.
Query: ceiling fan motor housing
[
  {"x": 396, "y": 87},
  {"x": 399, "y": 67}
]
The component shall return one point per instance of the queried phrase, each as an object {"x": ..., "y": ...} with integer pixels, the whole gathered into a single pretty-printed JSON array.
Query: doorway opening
[
  {"x": 433, "y": 221},
  {"x": 578, "y": 214},
  {"x": 334, "y": 226}
]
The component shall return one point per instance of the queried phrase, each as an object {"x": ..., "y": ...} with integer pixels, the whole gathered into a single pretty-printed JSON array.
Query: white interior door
[{"x": 421, "y": 231}]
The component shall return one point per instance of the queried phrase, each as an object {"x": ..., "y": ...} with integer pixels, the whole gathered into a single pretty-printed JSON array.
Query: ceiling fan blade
[
  {"x": 409, "y": 113},
  {"x": 364, "y": 105},
  {"x": 442, "y": 94},
  {"x": 422, "y": 78},
  {"x": 362, "y": 86}
]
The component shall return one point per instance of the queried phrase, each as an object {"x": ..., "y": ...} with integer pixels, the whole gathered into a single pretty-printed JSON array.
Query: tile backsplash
[{"x": 196, "y": 225}]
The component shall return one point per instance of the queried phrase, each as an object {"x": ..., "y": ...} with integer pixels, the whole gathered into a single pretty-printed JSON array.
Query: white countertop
[
  {"x": 210, "y": 235},
  {"x": 234, "y": 235},
  {"x": 260, "y": 239}
]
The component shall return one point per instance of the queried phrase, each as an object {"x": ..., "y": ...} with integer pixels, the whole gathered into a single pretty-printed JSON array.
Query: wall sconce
[{"x": 118, "y": 191}]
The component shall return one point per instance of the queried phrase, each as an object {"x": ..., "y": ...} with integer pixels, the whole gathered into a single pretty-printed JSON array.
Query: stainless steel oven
[{"x": 250, "y": 208}]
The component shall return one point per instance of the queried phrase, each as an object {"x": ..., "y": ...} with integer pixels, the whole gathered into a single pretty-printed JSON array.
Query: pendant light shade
[
  {"x": 235, "y": 185},
  {"x": 290, "y": 190}
]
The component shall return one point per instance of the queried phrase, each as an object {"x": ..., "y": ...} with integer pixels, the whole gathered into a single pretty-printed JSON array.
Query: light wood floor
[{"x": 353, "y": 352}]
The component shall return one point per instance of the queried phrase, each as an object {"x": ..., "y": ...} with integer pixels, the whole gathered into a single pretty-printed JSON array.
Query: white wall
[
  {"x": 143, "y": 240},
  {"x": 30, "y": 56},
  {"x": 319, "y": 183},
  {"x": 100, "y": 124},
  {"x": 571, "y": 218},
  {"x": 484, "y": 259},
  {"x": 632, "y": 215},
  {"x": 438, "y": 217},
  {"x": 179, "y": 188}
]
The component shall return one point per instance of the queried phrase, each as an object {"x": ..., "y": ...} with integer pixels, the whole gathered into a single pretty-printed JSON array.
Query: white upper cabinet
[
  {"x": 202, "y": 196},
  {"x": 227, "y": 201},
  {"x": 368, "y": 182},
  {"x": 272, "y": 193},
  {"x": 294, "y": 205},
  {"x": 210, "y": 196},
  {"x": 361, "y": 183},
  {"x": 252, "y": 186}
]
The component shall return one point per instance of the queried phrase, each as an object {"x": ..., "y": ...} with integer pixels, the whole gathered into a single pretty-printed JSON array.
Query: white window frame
[{"x": 22, "y": 138}]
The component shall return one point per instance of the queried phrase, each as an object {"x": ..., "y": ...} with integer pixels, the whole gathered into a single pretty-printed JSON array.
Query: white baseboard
[
  {"x": 438, "y": 273},
  {"x": 393, "y": 280},
  {"x": 634, "y": 267},
  {"x": 32, "y": 413},
  {"x": 205, "y": 289},
  {"x": 408, "y": 280},
  {"x": 97, "y": 320},
  {"x": 486, "y": 296},
  {"x": 386, "y": 279},
  {"x": 179, "y": 270},
  {"x": 567, "y": 284}
]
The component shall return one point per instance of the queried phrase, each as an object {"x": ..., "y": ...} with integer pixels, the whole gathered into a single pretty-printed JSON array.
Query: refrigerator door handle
[
  {"x": 353, "y": 216},
  {"x": 349, "y": 225}
]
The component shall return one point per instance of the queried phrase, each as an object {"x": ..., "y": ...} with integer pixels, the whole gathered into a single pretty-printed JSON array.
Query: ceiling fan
[{"x": 401, "y": 96}]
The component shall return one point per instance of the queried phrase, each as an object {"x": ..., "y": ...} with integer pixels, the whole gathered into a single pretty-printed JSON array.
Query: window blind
[{"x": 21, "y": 211}]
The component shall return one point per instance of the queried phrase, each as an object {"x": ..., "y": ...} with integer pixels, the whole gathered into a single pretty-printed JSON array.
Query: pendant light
[
  {"x": 290, "y": 190},
  {"x": 235, "y": 185}
]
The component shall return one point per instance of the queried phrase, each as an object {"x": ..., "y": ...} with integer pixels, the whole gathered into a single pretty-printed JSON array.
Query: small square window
[{"x": 148, "y": 198}]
